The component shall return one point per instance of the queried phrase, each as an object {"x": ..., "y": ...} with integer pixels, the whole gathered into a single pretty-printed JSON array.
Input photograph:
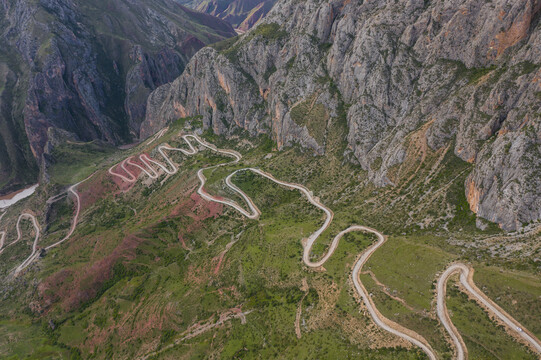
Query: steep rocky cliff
[
  {"x": 468, "y": 71},
  {"x": 87, "y": 68},
  {"x": 242, "y": 14}
]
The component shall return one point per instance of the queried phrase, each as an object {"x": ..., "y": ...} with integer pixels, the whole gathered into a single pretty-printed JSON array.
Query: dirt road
[
  {"x": 254, "y": 213},
  {"x": 35, "y": 253},
  {"x": 466, "y": 279}
]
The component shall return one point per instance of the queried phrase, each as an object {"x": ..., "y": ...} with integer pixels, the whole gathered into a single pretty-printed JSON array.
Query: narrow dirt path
[
  {"x": 378, "y": 318},
  {"x": 387, "y": 292},
  {"x": 199, "y": 329},
  {"x": 305, "y": 288}
]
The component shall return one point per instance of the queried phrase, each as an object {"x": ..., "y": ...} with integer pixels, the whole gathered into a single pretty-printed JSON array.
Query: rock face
[
  {"x": 242, "y": 14},
  {"x": 468, "y": 70},
  {"x": 87, "y": 68}
]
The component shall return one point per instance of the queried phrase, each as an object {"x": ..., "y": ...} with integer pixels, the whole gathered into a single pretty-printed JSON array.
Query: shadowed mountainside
[{"x": 86, "y": 68}]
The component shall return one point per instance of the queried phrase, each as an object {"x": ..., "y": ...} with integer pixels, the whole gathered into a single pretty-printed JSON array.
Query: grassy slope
[
  {"x": 484, "y": 339},
  {"x": 160, "y": 288}
]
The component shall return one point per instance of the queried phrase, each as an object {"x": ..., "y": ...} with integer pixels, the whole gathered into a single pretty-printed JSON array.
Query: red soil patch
[
  {"x": 134, "y": 170},
  {"x": 199, "y": 210},
  {"x": 183, "y": 242},
  {"x": 124, "y": 185},
  {"x": 87, "y": 281},
  {"x": 198, "y": 275},
  {"x": 519, "y": 29},
  {"x": 205, "y": 209},
  {"x": 153, "y": 317},
  {"x": 220, "y": 259},
  {"x": 94, "y": 189},
  {"x": 137, "y": 161}
]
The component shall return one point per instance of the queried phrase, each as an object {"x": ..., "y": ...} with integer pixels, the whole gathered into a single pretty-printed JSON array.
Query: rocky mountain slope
[
  {"x": 86, "y": 68},
  {"x": 242, "y": 14},
  {"x": 466, "y": 74}
]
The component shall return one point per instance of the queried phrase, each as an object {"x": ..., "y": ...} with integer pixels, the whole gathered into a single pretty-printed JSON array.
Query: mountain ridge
[
  {"x": 386, "y": 79},
  {"x": 87, "y": 68},
  {"x": 241, "y": 14}
]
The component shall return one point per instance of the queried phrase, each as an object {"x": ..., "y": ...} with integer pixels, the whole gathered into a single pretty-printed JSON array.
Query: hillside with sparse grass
[
  {"x": 347, "y": 179},
  {"x": 152, "y": 263}
]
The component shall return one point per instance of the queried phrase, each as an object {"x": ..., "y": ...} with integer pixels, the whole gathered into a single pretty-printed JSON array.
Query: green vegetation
[
  {"x": 483, "y": 338},
  {"x": 74, "y": 162},
  {"x": 475, "y": 74},
  {"x": 516, "y": 291},
  {"x": 313, "y": 115},
  {"x": 526, "y": 67},
  {"x": 270, "y": 31},
  {"x": 148, "y": 264},
  {"x": 13, "y": 255},
  {"x": 376, "y": 164},
  {"x": 267, "y": 32},
  {"x": 27, "y": 340},
  {"x": 269, "y": 72},
  {"x": 403, "y": 255},
  {"x": 224, "y": 44}
]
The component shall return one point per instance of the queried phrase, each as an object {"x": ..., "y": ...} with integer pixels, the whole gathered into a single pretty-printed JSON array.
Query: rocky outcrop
[
  {"x": 255, "y": 15},
  {"x": 470, "y": 69},
  {"x": 242, "y": 14},
  {"x": 87, "y": 68}
]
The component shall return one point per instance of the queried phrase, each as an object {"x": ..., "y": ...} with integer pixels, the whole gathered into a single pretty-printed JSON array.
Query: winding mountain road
[
  {"x": 466, "y": 279},
  {"x": 73, "y": 191},
  {"x": 466, "y": 275},
  {"x": 378, "y": 318},
  {"x": 19, "y": 233},
  {"x": 32, "y": 218},
  {"x": 254, "y": 213},
  {"x": 35, "y": 253}
]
